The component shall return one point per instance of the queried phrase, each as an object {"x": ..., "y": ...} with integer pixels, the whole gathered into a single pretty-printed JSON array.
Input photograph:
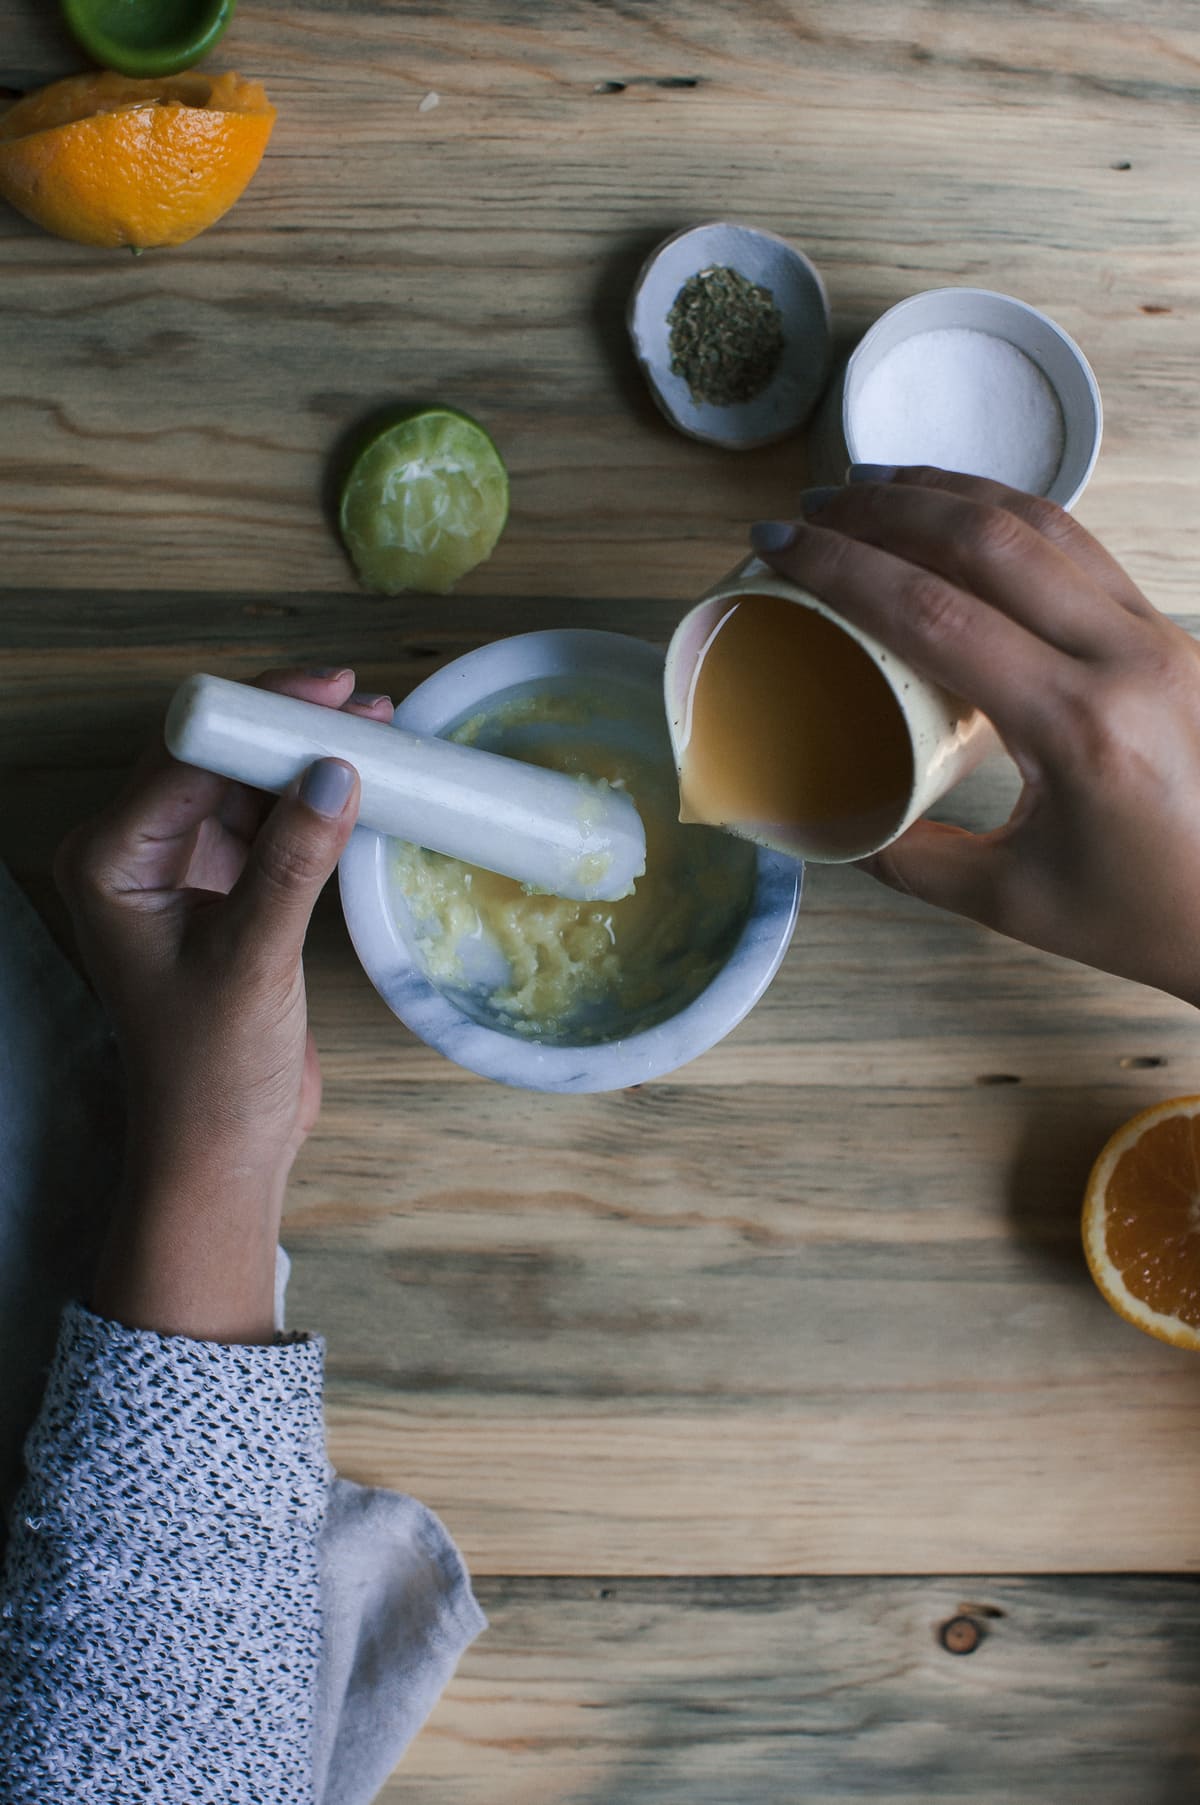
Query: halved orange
[
  {"x": 113, "y": 160},
  {"x": 1141, "y": 1221}
]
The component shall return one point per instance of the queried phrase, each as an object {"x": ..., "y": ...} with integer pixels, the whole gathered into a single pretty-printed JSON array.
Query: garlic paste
[{"x": 582, "y": 972}]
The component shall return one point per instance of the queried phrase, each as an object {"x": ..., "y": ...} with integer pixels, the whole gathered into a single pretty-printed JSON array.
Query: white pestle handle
[{"x": 556, "y": 833}]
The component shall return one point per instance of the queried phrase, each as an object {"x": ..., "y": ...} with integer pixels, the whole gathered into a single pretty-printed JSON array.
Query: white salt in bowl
[
  {"x": 621, "y": 679},
  {"x": 967, "y": 407}
]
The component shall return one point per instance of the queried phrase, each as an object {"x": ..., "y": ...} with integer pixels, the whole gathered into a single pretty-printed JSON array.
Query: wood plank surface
[
  {"x": 844, "y": 1243},
  {"x": 780, "y": 1692},
  {"x": 173, "y": 416},
  {"x": 814, "y": 1305}
]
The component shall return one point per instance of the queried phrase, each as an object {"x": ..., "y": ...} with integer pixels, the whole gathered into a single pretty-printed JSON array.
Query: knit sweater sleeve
[{"x": 160, "y": 1620}]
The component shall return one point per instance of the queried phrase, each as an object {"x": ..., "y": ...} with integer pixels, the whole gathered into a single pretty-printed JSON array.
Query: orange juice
[{"x": 793, "y": 731}]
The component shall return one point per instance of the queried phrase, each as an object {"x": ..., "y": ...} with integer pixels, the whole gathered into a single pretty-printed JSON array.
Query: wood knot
[{"x": 960, "y": 1635}]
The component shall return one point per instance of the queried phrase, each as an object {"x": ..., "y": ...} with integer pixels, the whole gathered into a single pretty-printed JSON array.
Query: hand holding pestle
[{"x": 556, "y": 833}]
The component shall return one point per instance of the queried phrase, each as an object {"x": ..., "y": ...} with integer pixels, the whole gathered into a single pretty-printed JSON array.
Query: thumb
[
  {"x": 293, "y": 856},
  {"x": 945, "y": 866}
]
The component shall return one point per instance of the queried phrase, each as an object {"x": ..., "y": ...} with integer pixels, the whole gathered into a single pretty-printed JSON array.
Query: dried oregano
[{"x": 726, "y": 336}]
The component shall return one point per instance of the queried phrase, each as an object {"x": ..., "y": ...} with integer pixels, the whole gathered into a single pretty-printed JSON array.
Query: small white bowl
[
  {"x": 842, "y": 436},
  {"x": 381, "y": 928},
  {"x": 790, "y": 396}
]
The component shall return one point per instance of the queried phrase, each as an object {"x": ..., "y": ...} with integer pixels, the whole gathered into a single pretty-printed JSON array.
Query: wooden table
[{"x": 716, "y": 1380}]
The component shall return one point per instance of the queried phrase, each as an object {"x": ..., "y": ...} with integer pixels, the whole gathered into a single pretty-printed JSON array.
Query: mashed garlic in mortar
[{"x": 571, "y": 972}]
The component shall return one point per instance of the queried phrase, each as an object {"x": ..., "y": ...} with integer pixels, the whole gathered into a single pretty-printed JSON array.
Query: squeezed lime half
[
  {"x": 425, "y": 501},
  {"x": 148, "y": 37}
]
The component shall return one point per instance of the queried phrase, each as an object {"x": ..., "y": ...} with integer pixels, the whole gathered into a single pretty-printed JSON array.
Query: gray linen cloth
[{"x": 396, "y": 1608}]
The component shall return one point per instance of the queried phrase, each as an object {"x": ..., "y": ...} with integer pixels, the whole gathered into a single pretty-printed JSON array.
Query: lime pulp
[{"x": 424, "y": 502}]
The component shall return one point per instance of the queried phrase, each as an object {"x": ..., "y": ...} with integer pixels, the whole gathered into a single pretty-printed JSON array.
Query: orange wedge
[
  {"x": 112, "y": 160},
  {"x": 1141, "y": 1221}
]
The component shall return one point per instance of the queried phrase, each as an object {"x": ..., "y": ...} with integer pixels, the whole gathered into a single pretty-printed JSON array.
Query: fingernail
[
  {"x": 326, "y": 787},
  {"x": 325, "y": 670},
  {"x": 366, "y": 699},
  {"x": 813, "y": 500},
  {"x": 772, "y": 535},
  {"x": 872, "y": 473}
]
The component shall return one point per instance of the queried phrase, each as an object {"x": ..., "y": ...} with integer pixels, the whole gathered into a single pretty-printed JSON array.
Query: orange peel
[{"x": 108, "y": 159}]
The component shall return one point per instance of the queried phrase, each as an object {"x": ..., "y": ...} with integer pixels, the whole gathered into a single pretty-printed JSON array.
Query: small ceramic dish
[
  {"x": 147, "y": 37},
  {"x": 789, "y": 396},
  {"x": 619, "y": 683},
  {"x": 845, "y": 434}
]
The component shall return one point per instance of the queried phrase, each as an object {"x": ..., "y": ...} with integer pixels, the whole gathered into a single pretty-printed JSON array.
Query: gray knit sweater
[{"x": 160, "y": 1627}]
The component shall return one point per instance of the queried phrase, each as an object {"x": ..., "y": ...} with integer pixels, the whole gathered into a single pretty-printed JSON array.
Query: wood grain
[
  {"x": 761, "y": 1693},
  {"x": 815, "y": 1305},
  {"x": 842, "y": 1247},
  {"x": 176, "y": 415},
  {"x": 750, "y": 1328}
]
